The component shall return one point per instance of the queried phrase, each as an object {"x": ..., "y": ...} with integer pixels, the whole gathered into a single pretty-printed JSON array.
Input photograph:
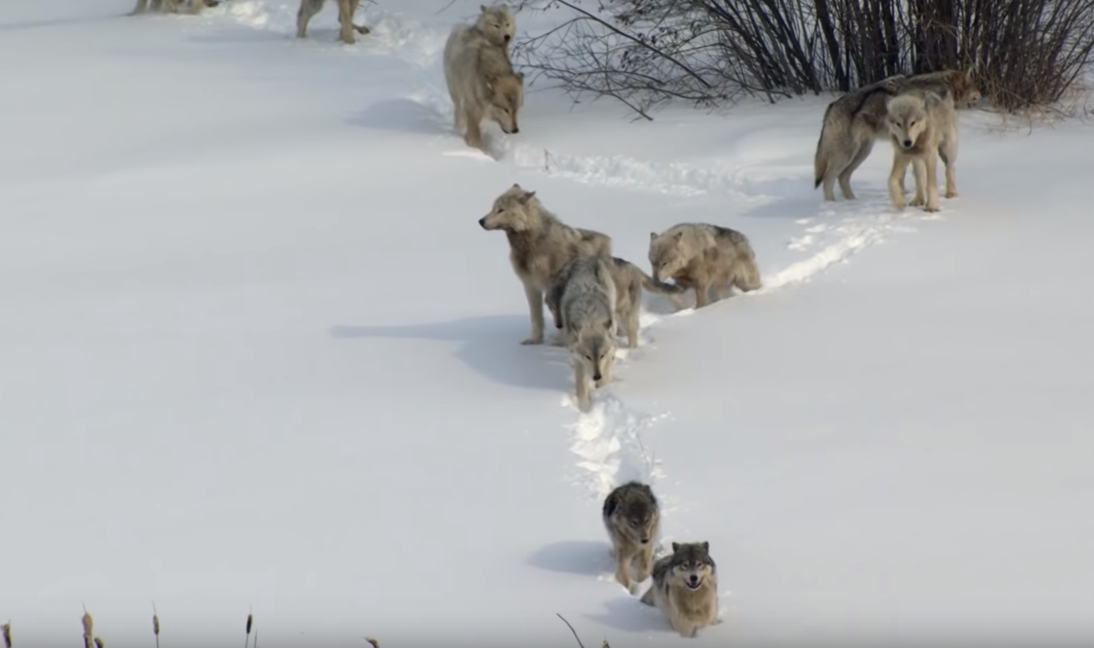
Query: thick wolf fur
[
  {"x": 587, "y": 306},
  {"x": 481, "y": 83},
  {"x": 346, "y": 10},
  {"x": 629, "y": 281},
  {"x": 855, "y": 121},
  {"x": 540, "y": 246},
  {"x": 685, "y": 588},
  {"x": 632, "y": 516},
  {"x": 700, "y": 255},
  {"x": 172, "y": 6},
  {"x": 496, "y": 24},
  {"x": 922, "y": 127}
]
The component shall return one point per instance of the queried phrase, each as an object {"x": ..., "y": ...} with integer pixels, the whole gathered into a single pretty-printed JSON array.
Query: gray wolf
[
  {"x": 685, "y": 588},
  {"x": 172, "y": 6},
  {"x": 587, "y": 308},
  {"x": 540, "y": 246},
  {"x": 922, "y": 127},
  {"x": 700, "y": 255},
  {"x": 855, "y": 121},
  {"x": 346, "y": 10},
  {"x": 496, "y": 24},
  {"x": 481, "y": 83},
  {"x": 632, "y": 516},
  {"x": 629, "y": 281}
]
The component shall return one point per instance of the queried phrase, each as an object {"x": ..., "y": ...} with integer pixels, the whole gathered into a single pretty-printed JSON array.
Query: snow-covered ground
[{"x": 258, "y": 355}]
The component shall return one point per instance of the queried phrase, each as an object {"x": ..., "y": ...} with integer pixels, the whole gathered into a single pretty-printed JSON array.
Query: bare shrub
[{"x": 646, "y": 53}]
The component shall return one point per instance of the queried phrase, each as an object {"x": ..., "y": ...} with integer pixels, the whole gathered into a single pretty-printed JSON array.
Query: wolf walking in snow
[
  {"x": 629, "y": 281},
  {"x": 172, "y": 6},
  {"x": 685, "y": 588},
  {"x": 346, "y": 10},
  {"x": 856, "y": 120},
  {"x": 632, "y": 516},
  {"x": 922, "y": 127},
  {"x": 587, "y": 305},
  {"x": 701, "y": 256},
  {"x": 540, "y": 246},
  {"x": 480, "y": 77}
]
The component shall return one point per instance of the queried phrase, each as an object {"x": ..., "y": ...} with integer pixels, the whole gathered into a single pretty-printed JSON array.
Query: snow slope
[{"x": 258, "y": 355}]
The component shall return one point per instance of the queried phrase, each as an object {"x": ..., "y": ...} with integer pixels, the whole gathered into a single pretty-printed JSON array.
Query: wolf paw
[
  {"x": 931, "y": 208},
  {"x": 951, "y": 194},
  {"x": 916, "y": 202},
  {"x": 533, "y": 340}
]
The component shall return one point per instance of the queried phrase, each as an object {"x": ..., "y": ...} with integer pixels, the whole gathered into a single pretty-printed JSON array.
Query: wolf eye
[
  {"x": 910, "y": 124},
  {"x": 589, "y": 358}
]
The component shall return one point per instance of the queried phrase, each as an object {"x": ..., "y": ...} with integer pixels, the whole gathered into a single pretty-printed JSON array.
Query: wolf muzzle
[
  {"x": 907, "y": 143},
  {"x": 596, "y": 376},
  {"x": 482, "y": 222}
]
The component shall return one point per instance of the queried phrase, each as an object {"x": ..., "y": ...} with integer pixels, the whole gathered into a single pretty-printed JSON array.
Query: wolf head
[
  {"x": 692, "y": 565},
  {"x": 966, "y": 93},
  {"x": 595, "y": 349},
  {"x": 907, "y": 118},
  {"x": 506, "y": 94},
  {"x": 497, "y": 24},
  {"x": 513, "y": 211},
  {"x": 667, "y": 256},
  {"x": 637, "y": 514}
]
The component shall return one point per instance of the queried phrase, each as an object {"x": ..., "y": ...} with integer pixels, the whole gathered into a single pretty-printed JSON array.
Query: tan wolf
[
  {"x": 629, "y": 281},
  {"x": 855, "y": 121},
  {"x": 699, "y": 256},
  {"x": 922, "y": 127},
  {"x": 496, "y": 24},
  {"x": 540, "y": 246},
  {"x": 588, "y": 321},
  {"x": 481, "y": 83},
  {"x": 685, "y": 588},
  {"x": 632, "y": 516},
  {"x": 172, "y": 6},
  {"x": 346, "y": 10}
]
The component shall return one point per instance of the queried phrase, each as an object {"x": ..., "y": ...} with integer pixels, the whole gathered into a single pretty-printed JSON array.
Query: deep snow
[{"x": 257, "y": 354}]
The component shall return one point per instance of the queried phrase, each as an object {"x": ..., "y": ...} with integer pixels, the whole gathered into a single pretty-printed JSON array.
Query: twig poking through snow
[{"x": 571, "y": 630}]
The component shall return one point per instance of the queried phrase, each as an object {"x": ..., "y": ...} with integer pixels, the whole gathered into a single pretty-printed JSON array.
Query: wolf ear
[
  {"x": 677, "y": 236},
  {"x": 653, "y": 235},
  {"x": 528, "y": 195},
  {"x": 519, "y": 75},
  {"x": 515, "y": 186},
  {"x": 706, "y": 546},
  {"x": 675, "y": 547},
  {"x": 483, "y": 8}
]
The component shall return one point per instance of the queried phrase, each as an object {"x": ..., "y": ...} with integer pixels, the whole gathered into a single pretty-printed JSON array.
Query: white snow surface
[{"x": 258, "y": 356}]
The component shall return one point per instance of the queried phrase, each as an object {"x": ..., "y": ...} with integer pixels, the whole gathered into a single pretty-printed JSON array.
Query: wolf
[
  {"x": 700, "y": 255},
  {"x": 346, "y": 10},
  {"x": 855, "y": 121},
  {"x": 540, "y": 246},
  {"x": 629, "y": 281},
  {"x": 496, "y": 24},
  {"x": 632, "y": 516},
  {"x": 922, "y": 127},
  {"x": 685, "y": 588},
  {"x": 172, "y": 6},
  {"x": 481, "y": 83},
  {"x": 587, "y": 305}
]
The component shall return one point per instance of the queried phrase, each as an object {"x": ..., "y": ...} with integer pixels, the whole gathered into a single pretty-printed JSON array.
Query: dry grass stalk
[
  {"x": 6, "y": 630},
  {"x": 250, "y": 621},
  {"x": 571, "y": 629},
  {"x": 372, "y": 640},
  {"x": 156, "y": 624},
  {"x": 89, "y": 627}
]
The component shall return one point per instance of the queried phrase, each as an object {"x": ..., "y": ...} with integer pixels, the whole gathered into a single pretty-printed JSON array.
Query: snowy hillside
[{"x": 258, "y": 355}]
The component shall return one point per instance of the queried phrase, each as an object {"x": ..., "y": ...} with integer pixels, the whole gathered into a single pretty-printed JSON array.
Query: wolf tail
[
  {"x": 820, "y": 159},
  {"x": 653, "y": 285}
]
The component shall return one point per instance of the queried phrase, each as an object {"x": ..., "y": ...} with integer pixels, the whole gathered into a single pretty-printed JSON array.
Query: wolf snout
[
  {"x": 482, "y": 222},
  {"x": 596, "y": 376},
  {"x": 645, "y": 540},
  {"x": 693, "y": 581},
  {"x": 508, "y": 38},
  {"x": 907, "y": 143}
]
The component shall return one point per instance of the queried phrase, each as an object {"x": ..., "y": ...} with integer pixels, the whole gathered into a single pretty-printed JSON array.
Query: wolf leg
[
  {"x": 345, "y": 22},
  {"x": 931, "y": 168},
  {"x": 920, "y": 174},
  {"x": 896, "y": 194},
  {"x": 535, "y": 312}
]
